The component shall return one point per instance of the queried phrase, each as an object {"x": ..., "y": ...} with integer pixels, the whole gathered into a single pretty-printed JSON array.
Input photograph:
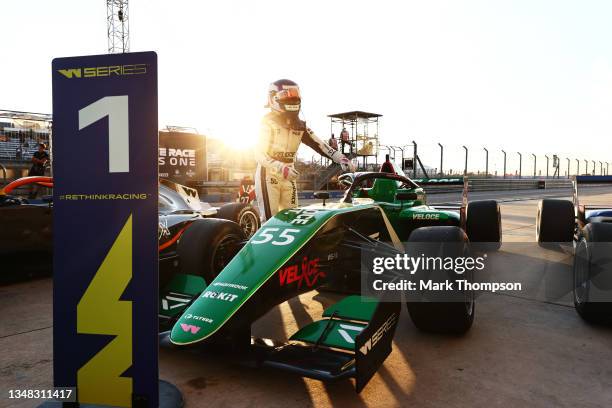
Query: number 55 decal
[{"x": 267, "y": 236}]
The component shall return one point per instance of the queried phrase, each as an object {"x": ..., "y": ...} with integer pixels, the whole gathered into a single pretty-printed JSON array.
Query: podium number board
[{"x": 105, "y": 263}]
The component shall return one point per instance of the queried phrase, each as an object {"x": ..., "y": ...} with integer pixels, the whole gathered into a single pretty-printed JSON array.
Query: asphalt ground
[{"x": 521, "y": 351}]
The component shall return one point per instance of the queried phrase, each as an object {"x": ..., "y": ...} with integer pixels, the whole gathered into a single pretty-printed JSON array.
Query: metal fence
[{"x": 433, "y": 160}]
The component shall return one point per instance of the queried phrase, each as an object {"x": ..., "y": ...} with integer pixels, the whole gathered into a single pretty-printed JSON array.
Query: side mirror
[
  {"x": 322, "y": 195},
  {"x": 406, "y": 196}
]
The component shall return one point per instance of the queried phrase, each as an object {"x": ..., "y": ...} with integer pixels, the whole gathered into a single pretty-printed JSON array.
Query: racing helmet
[{"x": 284, "y": 97}]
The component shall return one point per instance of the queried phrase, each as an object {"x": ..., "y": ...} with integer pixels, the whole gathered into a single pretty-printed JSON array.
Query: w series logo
[{"x": 112, "y": 70}]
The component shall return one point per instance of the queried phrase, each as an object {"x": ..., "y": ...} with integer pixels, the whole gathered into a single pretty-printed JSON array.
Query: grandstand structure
[{"x": 20, "y": 133}]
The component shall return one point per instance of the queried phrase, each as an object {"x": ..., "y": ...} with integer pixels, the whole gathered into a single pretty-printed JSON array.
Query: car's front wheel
[{"x": 207, "y": 246}]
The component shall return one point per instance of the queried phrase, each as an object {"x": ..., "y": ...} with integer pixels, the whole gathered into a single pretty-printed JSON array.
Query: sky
[{"x": 529, "y": 76}]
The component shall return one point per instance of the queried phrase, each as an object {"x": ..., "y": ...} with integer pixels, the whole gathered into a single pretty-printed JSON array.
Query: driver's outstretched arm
[{"x": 318, "y": 145}]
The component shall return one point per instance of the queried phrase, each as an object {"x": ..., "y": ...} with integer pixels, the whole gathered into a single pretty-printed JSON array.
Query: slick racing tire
[
  {"x": 207, "y": 246},
  {"x": 483, "y": 224},
  {"x": 449, "y": 316},
  {"x": 242, "y": 214},
  {"x": 593, "y": 273},
  {"x": 555, "y": 221}
]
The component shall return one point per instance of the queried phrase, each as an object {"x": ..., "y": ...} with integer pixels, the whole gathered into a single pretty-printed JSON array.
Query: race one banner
[
  {"x": 105, "y": 264},
  {"x": 182, "y": 156}
]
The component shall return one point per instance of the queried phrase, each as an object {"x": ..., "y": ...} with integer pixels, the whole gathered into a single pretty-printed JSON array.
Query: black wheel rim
[{"x": 249, "y": 223}]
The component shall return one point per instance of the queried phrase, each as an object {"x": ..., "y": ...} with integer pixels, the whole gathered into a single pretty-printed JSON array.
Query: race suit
[{"x": 279, "y": 141}]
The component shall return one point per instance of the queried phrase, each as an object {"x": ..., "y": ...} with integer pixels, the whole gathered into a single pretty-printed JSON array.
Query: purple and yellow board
[{"x": 105, "y": 227}]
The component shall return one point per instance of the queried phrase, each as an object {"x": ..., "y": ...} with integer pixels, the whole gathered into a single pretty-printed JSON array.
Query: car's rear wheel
[
  {"x": 207, "y": 246},
  {"x": 555, "y": 221},
  {"x": 593, "y": 273},
  {"x": 242, "y": 214},
  {"x": 453, "y": 311},
  {"x": 483, "y": 224}
]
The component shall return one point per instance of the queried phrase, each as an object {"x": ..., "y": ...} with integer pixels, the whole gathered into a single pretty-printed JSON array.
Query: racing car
[
  {"x": 303, "y": 248},
  {"x": 27, "y": 232},
  {"x": 589, "y": 229}
]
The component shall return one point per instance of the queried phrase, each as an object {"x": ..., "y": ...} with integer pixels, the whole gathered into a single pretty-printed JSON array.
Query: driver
[{"x": 280, "y": 136}]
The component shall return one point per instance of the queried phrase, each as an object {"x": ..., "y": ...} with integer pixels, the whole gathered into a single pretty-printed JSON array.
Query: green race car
[{"x": 304, "y": 248}]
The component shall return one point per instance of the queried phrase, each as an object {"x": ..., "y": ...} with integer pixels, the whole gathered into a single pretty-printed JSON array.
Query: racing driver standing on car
[{"x": 282, "y": 132}]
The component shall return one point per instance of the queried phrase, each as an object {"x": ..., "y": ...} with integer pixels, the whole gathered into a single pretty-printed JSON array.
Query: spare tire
[
  {"x": 555, "y": 221},
  {"x": 207, "y": 246},
  {"x": 242, "y": 214},
  {"x": 483, "y": 224}
]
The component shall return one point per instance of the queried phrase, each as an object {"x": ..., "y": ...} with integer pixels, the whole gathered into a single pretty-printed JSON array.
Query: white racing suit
[{"x": 279, "y": 140}]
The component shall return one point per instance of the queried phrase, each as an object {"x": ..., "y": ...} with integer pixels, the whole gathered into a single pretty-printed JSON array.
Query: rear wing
[
  {"x": 581, "y": 209},
  {"x": 589, "y": 180}
]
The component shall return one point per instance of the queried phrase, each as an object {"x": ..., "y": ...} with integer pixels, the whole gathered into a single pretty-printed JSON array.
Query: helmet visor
[{"x": 289, "y": 96}]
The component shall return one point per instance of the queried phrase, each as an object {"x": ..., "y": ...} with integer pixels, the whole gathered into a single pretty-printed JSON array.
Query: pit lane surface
[{"x": 521, "y": 351}]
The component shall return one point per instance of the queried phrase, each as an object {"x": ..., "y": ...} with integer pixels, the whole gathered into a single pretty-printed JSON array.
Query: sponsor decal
[
  {"x": 345, "y": 329},
  {"x": 384, "y": 328},
  {"x": 162, "y": 230},
  {"x": 227, "y": 297},
  {"x": 175, "y": 300},
  {"x": 421, "y": 216},
  {"x": 190, "y": 328},
  {"x": 176, "y": 157},
  {"x": 302, "y": 216},
  {"x": 283, "y": 155},
  {"x": 307, "y": 272},
  {"x": 230, "y": 285},
  {"x": 105, "y": 71},
  {"x": 198, "y": 318}
]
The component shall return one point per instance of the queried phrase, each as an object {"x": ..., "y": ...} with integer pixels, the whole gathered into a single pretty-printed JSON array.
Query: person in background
[
  {"x": 344, "y": 140},
  {"x": 333, "y": 142},
  {"x": 40, "y": 158}
]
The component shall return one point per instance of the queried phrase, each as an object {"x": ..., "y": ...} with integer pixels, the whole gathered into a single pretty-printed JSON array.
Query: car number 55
[{"x": 269, "y": 234}]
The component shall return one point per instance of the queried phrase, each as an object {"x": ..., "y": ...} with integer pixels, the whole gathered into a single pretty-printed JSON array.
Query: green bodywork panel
[
  {"x": 282, "y": 237},
  {"x": 338, "y": 333},
  {"x": 353, "y": 308},
  {"x": 269, "y": 249},
  {"x": 178, "y": 293},
  {"x": 405, "y": 213}
]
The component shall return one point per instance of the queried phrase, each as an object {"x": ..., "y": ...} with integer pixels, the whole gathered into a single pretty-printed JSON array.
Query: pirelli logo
[{"x": 107, "y": 71}]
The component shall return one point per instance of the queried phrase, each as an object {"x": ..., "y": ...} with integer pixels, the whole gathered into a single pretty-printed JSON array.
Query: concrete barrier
[{"x": 475, "y": 184}]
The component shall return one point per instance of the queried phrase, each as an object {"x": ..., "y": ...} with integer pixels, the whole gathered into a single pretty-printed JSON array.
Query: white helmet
[{"x": 284, "y": 97}]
